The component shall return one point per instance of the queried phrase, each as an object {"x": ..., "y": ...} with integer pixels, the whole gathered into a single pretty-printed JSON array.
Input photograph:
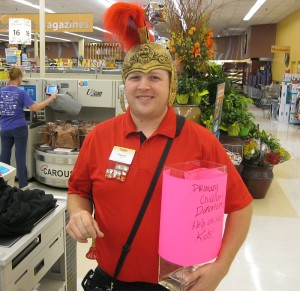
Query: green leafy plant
[
  {"x": 195, "y": 88},
  {"x": 235, "y": 111},
  {"x": 235, "y": 115},
  {"x": 185, "y": 86}
]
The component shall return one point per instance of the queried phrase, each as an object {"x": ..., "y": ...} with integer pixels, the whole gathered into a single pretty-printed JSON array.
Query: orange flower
[
  {"x": 209, "y": 33},
  {"x": 197, "y": 52},
  {"x": 209, "y": 43},
  {"x": 194, "y": 46}
]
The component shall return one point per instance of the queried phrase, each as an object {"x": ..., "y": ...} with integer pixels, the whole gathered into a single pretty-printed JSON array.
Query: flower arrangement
[
  {"x": 193, "y": 47},
  {"x": 264, "y": 150}
]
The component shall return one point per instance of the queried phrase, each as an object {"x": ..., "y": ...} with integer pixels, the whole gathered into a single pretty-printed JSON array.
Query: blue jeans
[{"x": 17, "y": 136}]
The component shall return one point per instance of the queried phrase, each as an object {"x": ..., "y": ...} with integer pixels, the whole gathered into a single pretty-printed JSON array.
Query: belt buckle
[{"x": 86, "y": 282}]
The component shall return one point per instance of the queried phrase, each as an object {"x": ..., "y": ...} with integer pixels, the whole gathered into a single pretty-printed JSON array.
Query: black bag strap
[{"x": 126, "y": 248}]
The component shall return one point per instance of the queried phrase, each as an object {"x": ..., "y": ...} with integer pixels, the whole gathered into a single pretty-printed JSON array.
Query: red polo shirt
[{"x": 117, "y": 203}]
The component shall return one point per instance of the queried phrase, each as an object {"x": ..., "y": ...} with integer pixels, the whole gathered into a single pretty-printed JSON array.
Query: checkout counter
[
  {"x": 99, "y": 100},
  {"x": 38, "y": 260}
]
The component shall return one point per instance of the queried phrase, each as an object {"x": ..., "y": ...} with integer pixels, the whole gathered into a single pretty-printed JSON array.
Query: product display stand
[{"x": 37, "y": 261}]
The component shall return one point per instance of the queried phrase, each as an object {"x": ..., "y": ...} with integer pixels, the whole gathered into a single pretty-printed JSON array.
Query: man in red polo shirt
[{"x": 115, "y": 190}]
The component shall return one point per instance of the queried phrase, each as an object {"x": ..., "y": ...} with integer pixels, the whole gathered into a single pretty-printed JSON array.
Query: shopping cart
[{"x": 270, "y": 93}]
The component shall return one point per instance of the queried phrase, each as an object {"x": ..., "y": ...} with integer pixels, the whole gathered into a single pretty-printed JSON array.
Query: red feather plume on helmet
[{"x": 124, "y": 20}]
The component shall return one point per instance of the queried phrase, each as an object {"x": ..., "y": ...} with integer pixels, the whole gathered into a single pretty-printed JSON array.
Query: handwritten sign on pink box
[{"x": 192, "y": 213}]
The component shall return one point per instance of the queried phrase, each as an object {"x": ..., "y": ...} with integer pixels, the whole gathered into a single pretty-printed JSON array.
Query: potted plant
[
  {"x": 236, "y": 119},
  {"x": 261, "y": 153},
  {"x": 183, "y": 91},
  {"x": 190, "y": 90},
  {"x": 199, "y": 90},
  {"x": 237, "y": 122}
]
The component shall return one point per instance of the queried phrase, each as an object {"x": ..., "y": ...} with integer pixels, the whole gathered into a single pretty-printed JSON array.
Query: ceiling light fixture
[
  {"x": 52, "y": 37},
  {"x": 101, "y": 29},
  {"x": 107, "y": 3},
  {"x": 3, "y": 39},
  {"x": 27, "y": 3},
  {"x": 253, "y": 9},
  {"x": 47, "y": 36},
  {"x": 83, "y": 36}
]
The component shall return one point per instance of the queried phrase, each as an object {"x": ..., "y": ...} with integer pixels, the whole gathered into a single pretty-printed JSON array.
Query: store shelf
[{"x": 234, "y": 72}]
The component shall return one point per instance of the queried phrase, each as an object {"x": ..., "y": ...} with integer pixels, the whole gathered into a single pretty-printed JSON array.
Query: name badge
[
  {"x": 122, "y": 155},
  {"x": 119, "y": 161}
]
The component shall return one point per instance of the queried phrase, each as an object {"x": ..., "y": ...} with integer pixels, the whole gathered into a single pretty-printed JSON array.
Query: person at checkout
[{"x": 13, "y": 125}]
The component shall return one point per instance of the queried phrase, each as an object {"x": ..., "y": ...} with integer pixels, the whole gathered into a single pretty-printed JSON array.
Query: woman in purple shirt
[{"x": 13, "y": 126}]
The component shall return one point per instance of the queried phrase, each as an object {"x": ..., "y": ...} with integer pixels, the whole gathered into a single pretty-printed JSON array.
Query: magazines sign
[
  {"x": 54, "y": 22},
  {"x": 19, "y": 31}
]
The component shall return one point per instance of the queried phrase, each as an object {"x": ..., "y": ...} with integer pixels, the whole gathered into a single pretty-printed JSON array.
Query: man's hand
[
  {"x": 82, "y": 226},
  {"x": 53, "y": 96},
  {"x": 206, "y": 278}
]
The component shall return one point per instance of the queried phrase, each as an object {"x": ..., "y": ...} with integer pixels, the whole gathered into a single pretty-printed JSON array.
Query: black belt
[{"x": 102, "y": 281}]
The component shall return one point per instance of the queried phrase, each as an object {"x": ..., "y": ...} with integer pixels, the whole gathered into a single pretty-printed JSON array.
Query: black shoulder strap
[
  {"x": 179, "y": 124},
  {"x": 126, "y": 248}
]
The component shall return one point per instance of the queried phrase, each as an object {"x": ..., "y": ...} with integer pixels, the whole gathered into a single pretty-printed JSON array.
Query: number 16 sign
[{"x": 19, "y": 31}]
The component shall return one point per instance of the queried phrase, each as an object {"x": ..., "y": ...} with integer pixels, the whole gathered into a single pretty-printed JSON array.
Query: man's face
[{"x": 148, "y": 93}]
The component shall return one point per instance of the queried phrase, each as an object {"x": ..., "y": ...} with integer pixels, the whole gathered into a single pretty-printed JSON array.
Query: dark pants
[
  {"x": 17, "y": 136},
  {"x": 101, "y": 281}
]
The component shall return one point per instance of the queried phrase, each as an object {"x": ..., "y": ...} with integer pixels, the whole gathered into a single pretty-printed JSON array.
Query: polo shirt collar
[{"x": 166, "y": 128}]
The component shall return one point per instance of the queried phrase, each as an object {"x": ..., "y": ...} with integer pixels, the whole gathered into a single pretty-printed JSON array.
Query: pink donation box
[{"x": 192, "y": 212}]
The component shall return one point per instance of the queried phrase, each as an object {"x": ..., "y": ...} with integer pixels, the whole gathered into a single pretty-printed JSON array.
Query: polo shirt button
[{"x": 146, "y": 144}]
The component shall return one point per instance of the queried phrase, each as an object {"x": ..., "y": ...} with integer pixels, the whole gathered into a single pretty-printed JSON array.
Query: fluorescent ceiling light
[
  {"x": 4, "y": 35},
  {"x": 3, "y": 39},
  {"x": 101, "y": 29},
  {"x": 27, "y": 3},
  {"x": 107, "y": 3},
  {"x": 52, "y": 37},
  {"x": 83, "y": 36},
  {"x": 47, "y": 36},
  {"x": 253, "y": 9}
]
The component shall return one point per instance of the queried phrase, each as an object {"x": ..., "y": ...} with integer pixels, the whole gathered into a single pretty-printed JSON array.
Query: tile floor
[{"x": 269, "y": 260}]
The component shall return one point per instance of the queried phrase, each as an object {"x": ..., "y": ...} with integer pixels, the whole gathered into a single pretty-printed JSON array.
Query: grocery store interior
[{"x": 69, "y": 52}]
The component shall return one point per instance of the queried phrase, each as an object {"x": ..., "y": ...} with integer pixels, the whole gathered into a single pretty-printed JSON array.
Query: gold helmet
[{"x": 126, "y": 21}]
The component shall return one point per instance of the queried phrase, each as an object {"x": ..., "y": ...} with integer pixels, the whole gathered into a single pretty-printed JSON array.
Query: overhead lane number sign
[{"x": 19, "y": 31}]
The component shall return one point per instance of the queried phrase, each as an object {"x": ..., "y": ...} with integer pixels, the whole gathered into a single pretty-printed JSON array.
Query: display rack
[
  {"x": 289, "y": 99},
  {"x": 234, "y": 72},
  {"x": 37, "y": 261}
]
